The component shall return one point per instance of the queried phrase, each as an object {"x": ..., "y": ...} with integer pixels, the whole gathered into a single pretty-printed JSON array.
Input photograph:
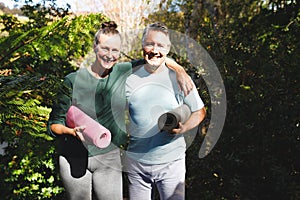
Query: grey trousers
[
  {"x": 168, "y": 178},
  {"x": 102, "y": 179}
]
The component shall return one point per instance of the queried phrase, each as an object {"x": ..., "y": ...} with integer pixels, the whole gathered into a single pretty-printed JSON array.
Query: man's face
[
  {"x": 156, "y": 46},
  {"x": 108, "y": 50}
]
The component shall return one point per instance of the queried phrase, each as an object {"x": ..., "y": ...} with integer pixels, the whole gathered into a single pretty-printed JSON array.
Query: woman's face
[{"x": 108, "y": 50}]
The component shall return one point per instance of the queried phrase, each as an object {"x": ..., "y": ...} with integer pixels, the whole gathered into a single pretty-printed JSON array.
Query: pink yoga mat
[{"x": 93, "y": 132}]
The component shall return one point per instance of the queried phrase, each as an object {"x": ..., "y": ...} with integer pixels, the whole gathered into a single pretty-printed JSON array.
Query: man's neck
[{"x": 154, "y": 69}]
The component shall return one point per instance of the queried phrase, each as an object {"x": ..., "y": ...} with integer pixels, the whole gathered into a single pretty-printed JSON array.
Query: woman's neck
[{"x": 98, "y": 71}]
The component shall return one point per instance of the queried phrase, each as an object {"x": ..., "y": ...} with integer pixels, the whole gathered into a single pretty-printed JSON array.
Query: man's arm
[
  {"x": 195, "y": 119},
  {"x": 183, "y": 79}
]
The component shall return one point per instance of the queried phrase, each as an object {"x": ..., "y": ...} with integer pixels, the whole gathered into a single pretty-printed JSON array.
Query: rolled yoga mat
[
  {"x": 93, "y": 132},
  {"x": 171, "y": 119}
]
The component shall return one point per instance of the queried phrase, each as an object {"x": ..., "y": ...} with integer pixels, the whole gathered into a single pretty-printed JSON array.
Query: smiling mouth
[
  {"x": 109, "y": 60},
  {"x": 153, "y": 55}
]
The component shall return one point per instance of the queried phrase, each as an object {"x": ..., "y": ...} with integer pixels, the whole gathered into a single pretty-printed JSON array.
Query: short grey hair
[{"x": 157, "y": 26}]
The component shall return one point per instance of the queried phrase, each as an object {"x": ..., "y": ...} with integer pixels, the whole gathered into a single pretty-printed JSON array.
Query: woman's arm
[
  {"x": 60, "y": 129},
  {"x": 183, "y": 79},
  {"x": 56, "y": 123}
]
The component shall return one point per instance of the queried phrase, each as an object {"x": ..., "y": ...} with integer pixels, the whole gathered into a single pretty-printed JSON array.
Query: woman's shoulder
[{"x": 80, "y": 72}]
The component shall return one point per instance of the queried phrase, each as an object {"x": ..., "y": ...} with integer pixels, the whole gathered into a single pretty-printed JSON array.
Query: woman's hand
[
  {"x": 78, "y": 132},
  {"x": 184, "y": 81}
]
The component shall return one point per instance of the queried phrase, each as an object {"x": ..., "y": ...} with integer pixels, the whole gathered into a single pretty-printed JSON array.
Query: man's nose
[
  {"x": 109, "y": 54},
  {"x": 156, "y": 48}
]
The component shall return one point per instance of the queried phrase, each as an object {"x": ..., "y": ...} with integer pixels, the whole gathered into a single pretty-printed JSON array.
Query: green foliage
[
  {"x": 31, "y": 176},
  {"x": 32, "y": 64},
  {"x": 41, "y": 15},
  {"x": 256, "y": 48},
  {"x": 254, "y": 44},
  {"x": 9, "y": 22}
]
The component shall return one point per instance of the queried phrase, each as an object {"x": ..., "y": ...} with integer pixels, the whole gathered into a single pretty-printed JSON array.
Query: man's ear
[
  {"x": 168, "y": 46},
  {"x": 168, "y": 49}
]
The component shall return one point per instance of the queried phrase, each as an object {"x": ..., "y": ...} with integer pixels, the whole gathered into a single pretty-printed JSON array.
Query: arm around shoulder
[{"x": 183, "y": 79}]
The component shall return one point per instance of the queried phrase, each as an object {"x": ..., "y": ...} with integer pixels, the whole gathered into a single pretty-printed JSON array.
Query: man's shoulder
[{"x": 138, "y": 73}]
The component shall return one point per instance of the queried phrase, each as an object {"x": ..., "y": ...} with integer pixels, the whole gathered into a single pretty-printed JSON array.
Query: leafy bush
[{"x": 32, "y": 64}]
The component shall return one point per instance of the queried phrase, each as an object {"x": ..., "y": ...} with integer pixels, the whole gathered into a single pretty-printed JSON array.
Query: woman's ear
[{"x": 95, "y": 48}]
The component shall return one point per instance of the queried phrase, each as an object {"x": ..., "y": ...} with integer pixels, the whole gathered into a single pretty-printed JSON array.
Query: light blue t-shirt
[{"x": 148, "y": 97}]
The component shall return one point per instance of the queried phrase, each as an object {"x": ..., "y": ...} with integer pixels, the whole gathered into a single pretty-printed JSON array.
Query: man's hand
[
  {"x": 178, "y": 130},
  {"x": 195, "y": 119}
]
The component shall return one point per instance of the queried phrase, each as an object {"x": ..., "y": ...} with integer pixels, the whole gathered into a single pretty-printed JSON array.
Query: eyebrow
[{"x": 107, "y": 47}]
